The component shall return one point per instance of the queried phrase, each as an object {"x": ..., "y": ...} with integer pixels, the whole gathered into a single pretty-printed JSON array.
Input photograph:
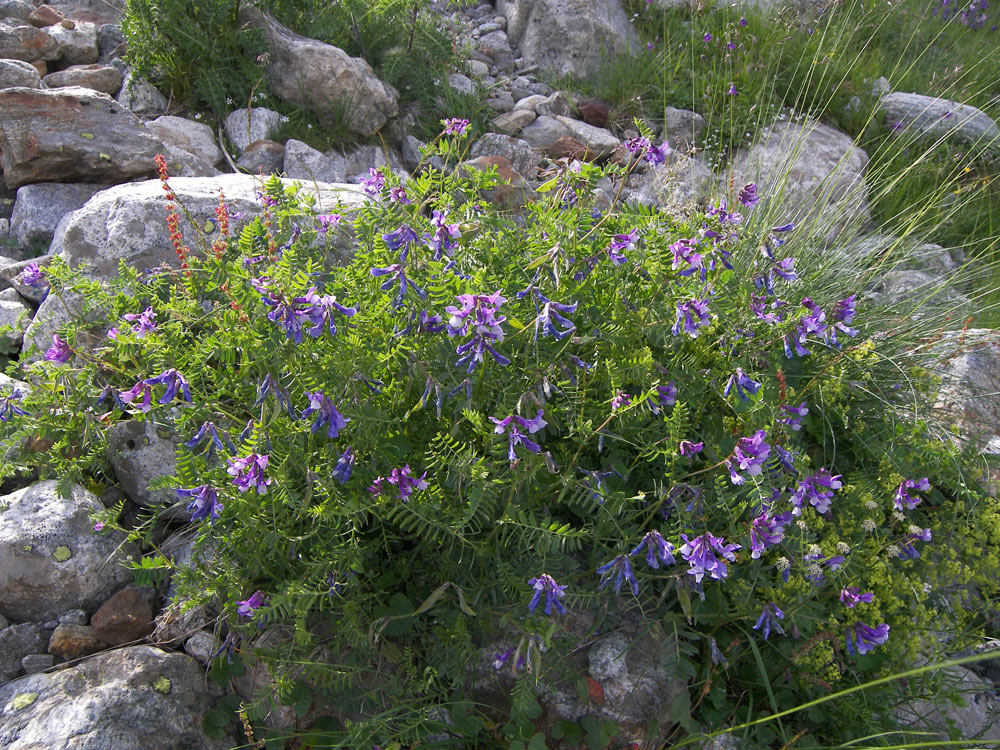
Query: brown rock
[
  {"x": 19, "y": 41},
  {"x": 72, "y": 641},
  {"x": 512, "y": 122},
  {"x": 41, "y": 66},
  {"x": 513, "y": 191},
  {"x": 71, "y": 134},
  {"x": 101, "y": 78},
  {"x": 595, "y": 112},
  {"x": 263, "y": 156},
  {"x": 67, "y": 23},
  {"x": 45, "y": 15},
  {"x": 568, "y": 148},
  {"x": 124, "y": 617}
]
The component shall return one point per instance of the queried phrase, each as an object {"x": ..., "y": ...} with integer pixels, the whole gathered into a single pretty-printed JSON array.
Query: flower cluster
[
  {"x": 513, "y": 426},
  {"x": 478, "y": 316}
]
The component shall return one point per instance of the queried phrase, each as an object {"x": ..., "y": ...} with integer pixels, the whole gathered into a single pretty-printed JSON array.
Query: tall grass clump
[{"x": 484, "y": 440}]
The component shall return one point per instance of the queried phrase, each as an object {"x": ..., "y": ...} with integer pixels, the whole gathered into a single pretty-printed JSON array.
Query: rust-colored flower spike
[
  {"x": 222, "y": 214},
  {"x": 173, "y": 218}
]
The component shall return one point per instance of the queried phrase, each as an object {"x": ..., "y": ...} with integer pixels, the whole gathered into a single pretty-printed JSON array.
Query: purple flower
[
  {"x": 700, "y": 555},
  {"x": 851, "y": 597},
  {"x": 175, "y": 384},
  {"x": 326, "y": 414},
  {"x": 268, "y": 201},
  {"x": 9, "y": 409},
  {"x": 59, "y": 352},
  {"x": 326, "y": 222},
  {"x": 445, "y": 235},
  {"x": 215, "y": 441},
  {"x": 663, "y": 395},
  {"x": 455, "y": 126},
  {"x": 620, "y": 399},
  {"x": 553, "y": 593},
  {"x": 478, "y": 316},
  {"x": 145, "y": 322},
  {"x": 658, "y": 550},
  {"x": 843, "y": 314},
  {"x": 345, "y": 464},
  {"x": 397, "y": 273},
  {"x": 657, "y": 155},
  {"x": 688, "y": 449},
  {"x": 921, "y": 535},
  {"x": 398, "y": 195},
  {"x": 290, "y": 314},
  {"x": 732, "y": 90},
  {"x": 743, "y": 22},
  {"x": 707, "y": 37},
  {"x": 619, "y": 569},
  {"x": 248, "y": 607},
  {"x": 32, "y": 275},
  {"x": 694, "y": 314},
  {"x": 551, "y": 320},
  {"x": 818, "y": 489},
  {"x": 768, "y": 619},
  {"x": 402, "y": 237},
  {"x": 374, "y": 183},
  {"x": 743, "y": 383},
  {"x": 619, "y": 244},
  {"x": 404, "y": 482},
  {"x": 513, "y": 426},
  {"x": 322, "y": 312},
  {"x": 867, "y": 637},
  {"x": 758, "y": 306},
  {"x": 793, "y": 415},
  {"x": 765, "y": 531},
  {"x": 204, "y": 503},
  {"x": 422, "y": 322},
  {"x": 131, "y": 395},
  {"x": 749, "y": 455},
  {"x": 271, "y": 385},
  {"x": 249, "y": 473},
  {"x": 904, "y": 501}
]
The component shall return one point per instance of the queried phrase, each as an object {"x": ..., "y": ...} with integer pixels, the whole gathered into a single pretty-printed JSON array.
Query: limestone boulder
[
  {"x": 17, "y": 73},
  {"x": 810, "y": 174},
  {"x": 17, "y": 642},
  {"x": 936, "y": 117},
  {"x": 51, "y": 559},
  {"x": 245, "y": 126},
  {"x": 20, "y": 40},
  {"x": 969, "y": 396},
  {"x": 101, "y": 78},
  {"x": 520, "y": 154},
  {"x": 133, "y": 698},
  {"x": 195, "y": 138},
  {"x": 569, "y": 37},
  {"x": 76, "y": 43},
  {"x": 322, "y": 78},
  {"x": 71, "y": 134},
  {"x": 39, "y": 208},
  {"x": 545, "y": 131},
  {"x": 139, "y": 452}
]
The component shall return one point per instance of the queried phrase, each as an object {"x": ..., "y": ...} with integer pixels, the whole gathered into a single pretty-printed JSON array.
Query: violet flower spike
[
  {"x": 175, "y": 384},
  {"x": 128, "y": 397},
  {"x": 744, "y": 384},
  {"x": 658, "y": 550},
  {"x": 768, "y": 619},
  {"x": 748, "y": 195},
  {"x": 513, "y": 426},
  {"x": 455, "y": 126},
  {"x": 694, "y": 314},
  {"x": 345, "y": 465},
  {"x": 688, "y": 449},
  {"x": 215, "y": 441},
  {"x": 59, "y": 352},
  {"x": 620, "y": 569},
  {"x": 663, "y": 395},
  {"x": 867, "y": 637},
  {"x": 248, "y": 473},
  {"x": 850, "y": 597},
  {"x": 700, "y": 554},
  {"x": 145, "y": 322},
  {"x": 9, "y": 409},
  {"x": 553, "y": 594},
  {"x": 905, "y": 501},
  {"x": 765, "y": 531},
  {"x": 374, "y": 183},
  {"x": 326, "y": 414},
  {"x": 248, "y": 607},
  {"x": 204, "y": 503}
]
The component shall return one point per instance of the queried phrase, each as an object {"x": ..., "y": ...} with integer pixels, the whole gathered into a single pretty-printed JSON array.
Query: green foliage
[{"x": 381, "y": 601}]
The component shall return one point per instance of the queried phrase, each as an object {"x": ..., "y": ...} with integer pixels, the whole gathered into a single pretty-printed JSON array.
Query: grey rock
[
  {"x": 50, "y": 557},
  {"x": 322, "y": 78},
  {"x": 513, "y": 122},
  {"x": 978, "y": 719},
  {"x": 50, "y": 625},
  {"x": 478, "y": 69},
  {"x": 73, "y": 617},
  {"x": 496, "y": 48},
  {"x": 553, "y": 105},
  {"x": 460, "y": 83},
  {"x": 109, "y": 41},
  {"x": 3, "y": 622},
  {"x": 681, "y": 181},
  {"x": 15, "y": 313},
  {"x": 98, "y": 12},
  {"x": 501, "y": 102},
  {"x": 191, "y": 136},
  {"x": 33, "y": 663},
  {"x": 814, "y": 172},
  {"x": 126, "y": 223},
  {"x": 21, "y": 41},
  {"x": 243, "y": 126},
  {"x": 970, "y": 383},
  {"x": 935, "y": 117},
  {"x": 140, "y": 452},
  {"x": 16, "y": 9},
  {"x": 522, "y": 156},
  {"x": 203, "y": 646},
  {"x": 545, "y": 131},
  {"x": 19, "y": 73},
  {"x": 880, "y": 87},
  {"x": 129, "y": 699},
  {"x": 303, "y": 162},
  {"x": 263, "y": 157},
  {"x": 101, "y": 78},
  {"x": 10, "y": 275},
  {"x": 71, "y": 134},
  {"x": 140, "y": 97},
  {"x": 682, "y": 128},
  {"x": 76, "y": 45},
  {"x": 569, "y": 37},
  {"x": 518, "y": 93},
  {"x": 926, "y": 293},
  {"x": 181, "y": 163},
  {"x": 412, "y": 157},
  {"x": 16, "y": 642},
  {"x": 356, "y": 163},
  {"x": 39, "y": 208}
]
